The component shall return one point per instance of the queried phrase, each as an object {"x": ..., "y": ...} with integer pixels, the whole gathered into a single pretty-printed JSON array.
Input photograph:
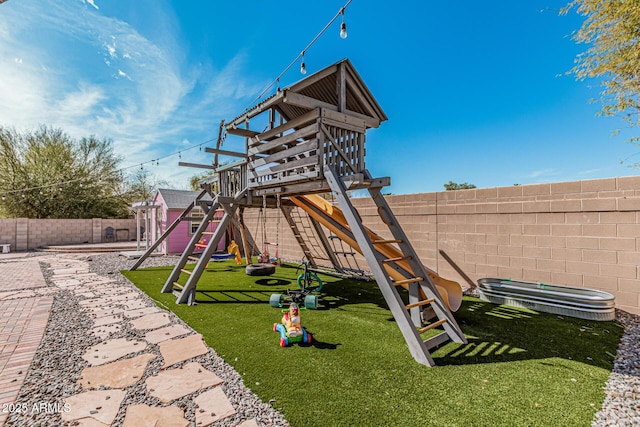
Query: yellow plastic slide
[{"x": 321, "y": 210}]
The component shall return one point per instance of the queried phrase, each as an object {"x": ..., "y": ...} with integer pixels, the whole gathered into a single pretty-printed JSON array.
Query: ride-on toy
[{"x": 290, "y": 329}]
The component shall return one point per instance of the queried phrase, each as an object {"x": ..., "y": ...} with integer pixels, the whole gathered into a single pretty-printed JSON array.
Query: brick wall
[
  {"x": 582, "y": 233},
  {"x": 23, "y": 233}
]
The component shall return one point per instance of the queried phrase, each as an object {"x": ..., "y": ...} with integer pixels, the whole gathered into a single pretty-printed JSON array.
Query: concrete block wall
[
  {"x": 24, "y": 234},
  {"x": 580, "y": 233}
]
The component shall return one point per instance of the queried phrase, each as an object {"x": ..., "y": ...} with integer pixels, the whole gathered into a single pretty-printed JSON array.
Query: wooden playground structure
[{"x": 313, "y": 142}]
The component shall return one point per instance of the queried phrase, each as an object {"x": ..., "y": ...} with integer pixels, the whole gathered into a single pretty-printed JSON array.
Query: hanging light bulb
[
  {"x": 303, "y": 67},
  {"x": 343, "y": 26}
]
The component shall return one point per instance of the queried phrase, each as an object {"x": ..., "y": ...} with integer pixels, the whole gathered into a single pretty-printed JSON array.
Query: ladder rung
[
  {"x": 178, "y": 285},
  {"x": 420, "y": 303},
  {"x": 400, "y": 258},
  {"x": 406, "y": 281},
  {"x": 186, "y": 271},
  {"x": 436, "y": 340},
  {"x": 193, "y": 258},
  {"x": 208, "y": 232},
  {"x": 384, "y": 242},
  {"x": 431, "y": 326}
]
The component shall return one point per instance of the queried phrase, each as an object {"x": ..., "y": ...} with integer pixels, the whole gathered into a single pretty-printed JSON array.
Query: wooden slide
[{"x": 328, "y": 215}]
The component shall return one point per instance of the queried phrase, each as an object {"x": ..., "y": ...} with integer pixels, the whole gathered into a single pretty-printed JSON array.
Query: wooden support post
[{"x": 243, "y": 235}]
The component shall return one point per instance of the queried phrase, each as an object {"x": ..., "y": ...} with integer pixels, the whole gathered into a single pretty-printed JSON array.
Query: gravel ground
[{"x": 58, "y": 363}]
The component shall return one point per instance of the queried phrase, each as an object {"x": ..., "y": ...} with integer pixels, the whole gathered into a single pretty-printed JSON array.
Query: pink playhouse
[{"x": 171, "y": 204}]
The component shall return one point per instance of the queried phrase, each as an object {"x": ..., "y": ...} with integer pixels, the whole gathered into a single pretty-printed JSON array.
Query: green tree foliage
[
  {"x": 142, "y": 185},
  {"x": 195, "y": 179},
  {"x": 455, "y": 186},
  {"x": 47, "y": 174},
  {"x": 612, "y": 32}
]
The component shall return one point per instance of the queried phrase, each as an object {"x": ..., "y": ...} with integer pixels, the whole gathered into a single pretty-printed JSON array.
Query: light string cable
[{"x": 343, "y": 34}]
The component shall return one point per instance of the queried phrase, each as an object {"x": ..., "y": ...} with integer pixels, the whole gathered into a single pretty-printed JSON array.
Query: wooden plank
[
  {"x": 304, "y": 101},
  {"x": 287, "y": 139},
  {"x": 225, "y": 152},
  {"x": 303, "y": 120},
  {"x": 314, "y": 78},
  {"x": 431, "y": 326},
  {"x": 303, "y": 147},
  {"x": 343, "y": 118},
  {"x": 419, "y": 303},
  {"x": 437, "y": 340},
  {"x": 305, "y": 161},
  {"x": 362, "y": 99},
  {"x": 195, "y": 165},
  {"x": 283, "y": 180},
  {"x": 247, "y": 133},
  {"x": 341, "y": 88}
]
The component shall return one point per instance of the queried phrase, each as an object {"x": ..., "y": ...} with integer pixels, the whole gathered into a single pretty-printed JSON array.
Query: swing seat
[{"x": 261, "y": 269}]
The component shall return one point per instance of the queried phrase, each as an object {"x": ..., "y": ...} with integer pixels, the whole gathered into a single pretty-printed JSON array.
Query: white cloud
[
  {"x": 92, "y": 74},
  {"x": 93, "y": 3}
]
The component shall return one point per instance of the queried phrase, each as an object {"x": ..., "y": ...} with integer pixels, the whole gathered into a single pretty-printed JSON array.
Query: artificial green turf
[{"x": 520, "y": 368}]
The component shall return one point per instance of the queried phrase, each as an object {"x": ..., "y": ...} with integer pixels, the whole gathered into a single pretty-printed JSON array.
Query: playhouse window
[{"x": 194, "y": 224}]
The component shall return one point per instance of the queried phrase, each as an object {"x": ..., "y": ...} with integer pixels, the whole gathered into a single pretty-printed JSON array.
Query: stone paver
[
  {"x": 176, "y": 383},
  {"x": 168, "y": 332},
  {"x": 110, "y": 350},
  {"x": 179, "y": 350},
  {"x": 104, "y": 331},
  {"x": 120, "y": 374},
  {"x": 145, "y": 415},
  {"x": 21, "y": 275},
  {"x": 151, "y": 321},
  {"x": 212, "y": 406},
  {"x": 132, "y": 314},
  {"x": 101, "y": 405}
]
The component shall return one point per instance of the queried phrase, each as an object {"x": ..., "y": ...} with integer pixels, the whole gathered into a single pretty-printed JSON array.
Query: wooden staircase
[{"x": 393, "y": 272}]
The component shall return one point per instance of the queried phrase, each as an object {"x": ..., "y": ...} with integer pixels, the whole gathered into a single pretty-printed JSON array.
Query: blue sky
[{"x": 475, "y": 92}]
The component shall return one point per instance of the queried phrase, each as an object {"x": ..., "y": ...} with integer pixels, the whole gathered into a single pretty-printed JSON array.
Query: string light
[
  {"x": 303, "y": 67},
  {"x": 343, "y": 26},
  {"x": 301, "y": 54}
]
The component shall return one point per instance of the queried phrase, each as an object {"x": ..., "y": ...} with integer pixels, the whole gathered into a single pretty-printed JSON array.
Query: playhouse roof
[
  {"x": 178, "y": 199},
  {"x": 320, "y": 90}
]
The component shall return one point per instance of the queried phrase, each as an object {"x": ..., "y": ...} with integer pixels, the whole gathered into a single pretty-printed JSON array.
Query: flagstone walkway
[{"x": 161, "y": 362}]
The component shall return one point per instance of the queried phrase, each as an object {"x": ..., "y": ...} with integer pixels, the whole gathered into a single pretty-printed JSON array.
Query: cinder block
[
  {"x": 629, "y": 204},
  {"x": 581, "y": 218},
  {"x": 617, "y": 218},
  {"x": 511, "y": 251},
  {"x": 550, "y": 241},
  {"x": 599, "y": 230},
  {"x": 566, "y": 254},
  {"x": 487, "y": 249},
  {"x": 598, "y": 205},
  {"x": 486, "y": 270},
  {"x": 486, "y": 193},
  {"x": 566, "y": 279},
  {"x": 536, "y": 275},
  {"x": 550, "y": 218},
  {"x": 510, "y": 207},
  {"x": 580, "y": 267},
  {"x": 523, "y": 263},
  {"x": 537, "y": 229},
  {"x": 551, "y": 265},
  {"x": 566, "y": 230},
  {"x": 583, "y": 242},
  {"x": 632, "y": 258},
  {"x": 600, "y": 282},
  {"x": 536, "y": 252},
  {"x": 565, "y": 206},
  {"x": 600, "y": 256},
  {"x": 498, "y": 239},
  {"x": 629, "y": 285},
  {"x": 617, "y": 243},
  {"x": 510, "y": 272},
  {"x": 498, "y": 260},
  {"x": 627, "y": 299},
  {"x": 536, "y": 189},
  {"x": 627, "y": 230},
  {"x": 537, "y": 206},
  {"x": 565, "y": 187},
  {"x": 523, "y": 240},
  {"x": 606, "y": 184},
  {"x": 487, "y": 207},
  {"x": 628, "y": 183},
  {"x": 619, "y": 270}
]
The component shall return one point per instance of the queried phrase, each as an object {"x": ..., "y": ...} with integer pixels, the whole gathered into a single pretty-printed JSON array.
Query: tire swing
[{"x": 264, "y": 267}]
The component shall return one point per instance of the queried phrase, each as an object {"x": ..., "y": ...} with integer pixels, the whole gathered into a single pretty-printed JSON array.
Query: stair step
[
  {"x": 186, "y": 271},
  {"x": 437, "y": 340},
  {"x": 384, "y": 242},
  {"x": 432, "y": 325},
  {"x": 407, "y": 281},
  {"x": 400, "y": 258},
  {"x": 420, "y": 303}
]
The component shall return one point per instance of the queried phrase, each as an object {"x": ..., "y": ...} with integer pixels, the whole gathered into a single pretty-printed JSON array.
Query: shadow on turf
[{"x": 498, "y": 333}]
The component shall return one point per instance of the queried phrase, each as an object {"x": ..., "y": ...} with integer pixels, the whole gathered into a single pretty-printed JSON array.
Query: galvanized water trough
[{"x": 563, "y": 300}]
